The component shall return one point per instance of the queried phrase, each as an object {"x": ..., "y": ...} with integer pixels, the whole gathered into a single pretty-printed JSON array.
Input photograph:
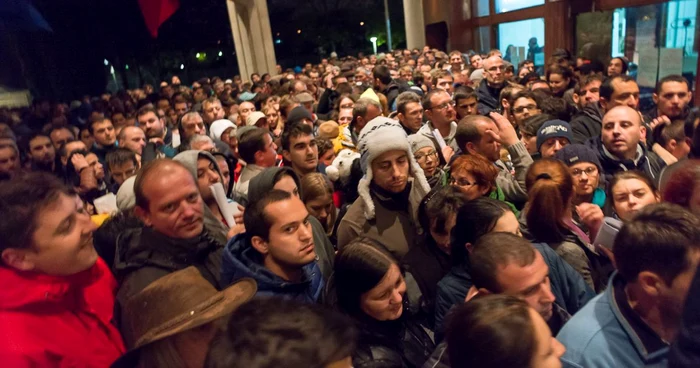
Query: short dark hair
[
  {"x": 532, "y": 124},
  {"x": 495, "y": 250},
  {"x": 257, "y": 221},
  {"x": 670, "y": 78},
  {"x": 22, "y": 198},
  {"x": 251, "y": 142},
  {"x": 664, "y": 133},
  {"x": 324, "y": 145},
  {"x": 606, "y": 89},
  {"x": 145, "y": 110},
  {"x": 438, "y": 206},
  {"x": 427, "y": 104},
  {"x": 120, "y": 156},
  {"x": 463, "y": 93},
  {"x": 27, "y": 147},
  {"x": 404, "y": 99},
  {"x": 527, "y": 94},
  {"x": 382, "y": 73},
  {"x": 277, "y": 332},
  {"x": 657, "y": 239},
  {"x": 586, "y": 80},
  {"x": 491, "y": 331},
  {"x": 467, "y": 130},
  {"x": 294, "y": 130}
]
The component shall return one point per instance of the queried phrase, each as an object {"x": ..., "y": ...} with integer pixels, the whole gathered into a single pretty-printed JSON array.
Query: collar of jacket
[{"x": 639, "y": 156}]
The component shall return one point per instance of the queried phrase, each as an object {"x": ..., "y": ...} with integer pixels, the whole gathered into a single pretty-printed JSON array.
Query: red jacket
[{"x": 58, "y": 321}]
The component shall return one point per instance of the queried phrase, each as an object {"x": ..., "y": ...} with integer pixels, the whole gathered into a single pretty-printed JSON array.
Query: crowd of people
[{"x": 408, "y": 209}]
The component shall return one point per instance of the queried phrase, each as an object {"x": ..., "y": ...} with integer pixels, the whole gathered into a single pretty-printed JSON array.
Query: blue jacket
[
  {"x": 241, "y": 260},
  {"x": 568, "y": 287},
  {"x": 606, "y": 333}
]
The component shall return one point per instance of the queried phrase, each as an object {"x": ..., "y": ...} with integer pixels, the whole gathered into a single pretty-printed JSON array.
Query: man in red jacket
[{"x": 56, "y": 294}]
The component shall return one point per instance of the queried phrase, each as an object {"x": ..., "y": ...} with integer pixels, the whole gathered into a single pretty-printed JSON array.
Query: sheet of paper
[
  {"x": 670, "y": 62},
  {"x": 106, "y": 204},
  {"x": 647, "y": 67},
  {"x": 439, "y": 139},
  {"x": 227, "y": 209}
]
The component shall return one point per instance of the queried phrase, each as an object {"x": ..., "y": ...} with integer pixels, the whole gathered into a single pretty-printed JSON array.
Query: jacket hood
[
  {"x": 265, "y": 181},
  {"x": 189, "y": 159},
  {"x": 241, "y": 260},
  {"x": 20, "y": 289}
]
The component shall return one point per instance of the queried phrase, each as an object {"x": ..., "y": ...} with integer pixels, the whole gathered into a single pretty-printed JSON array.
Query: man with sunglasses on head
[{"x": 490, "y": 88}]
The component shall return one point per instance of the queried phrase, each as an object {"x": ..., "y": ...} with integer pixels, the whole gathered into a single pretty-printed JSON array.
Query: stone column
[
  {"x": 415, "y": 24},
  {"x": 252, "y": 35}
]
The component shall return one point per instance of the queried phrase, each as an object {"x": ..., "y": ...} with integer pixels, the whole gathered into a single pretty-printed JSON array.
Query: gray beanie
[{"x": 419, "y": 141}]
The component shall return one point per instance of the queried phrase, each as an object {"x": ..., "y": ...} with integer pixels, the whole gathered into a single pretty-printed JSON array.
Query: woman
[
  {"x": 369, "y": 287},
  {"x": 630, "y": 191},
  {"x": 475, "y": 176},
  {"x": 560, "y": 80},
  {"x": 683, "y": 187},
  {"x": 326, "y": 151},
  {"x": 427, "y": 157},
  {"x": 501, "y": 331},
  {"x": 172, "y": 321},
  {"x": 476, "y": 218},
  {"x": 274, "y": 120},
  {"x": 317, "y": 195},
  {"x": 548, "y": 216},
  {"x": 227, "y": 175},
  {"x": 429, "y": 261}
]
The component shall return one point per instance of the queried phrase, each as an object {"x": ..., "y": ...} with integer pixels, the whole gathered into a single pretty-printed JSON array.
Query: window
[
  {"x": 503, "y": 6},
  {"x": 481, "y": 7},
  {"x": 522, "y": 40}
]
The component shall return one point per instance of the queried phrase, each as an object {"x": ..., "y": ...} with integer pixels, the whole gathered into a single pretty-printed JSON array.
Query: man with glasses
[
  {"x": 439, "y": 109},
  {"x": 525, "y": 105},
  {"x": 490, "y": 88}
]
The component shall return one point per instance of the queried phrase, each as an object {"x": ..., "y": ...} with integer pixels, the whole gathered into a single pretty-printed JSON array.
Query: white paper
[
  {"x": 106, "y": 204},
  {"x": 647, "y": 67},
  {"x": 228, "y": 209},
  {"x": 439, "y": 139},
  {"x": 670, "y": 62}
]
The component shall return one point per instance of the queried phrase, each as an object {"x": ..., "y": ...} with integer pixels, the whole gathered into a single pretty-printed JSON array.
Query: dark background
[{"x": 69, "y": 62}]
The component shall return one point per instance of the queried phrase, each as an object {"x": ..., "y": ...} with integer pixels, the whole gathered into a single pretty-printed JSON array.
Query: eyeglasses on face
[
  {"x": 423, "y": 156},
  {"x": 444, "y": 106},
  {"x": 591, "y": 171}
]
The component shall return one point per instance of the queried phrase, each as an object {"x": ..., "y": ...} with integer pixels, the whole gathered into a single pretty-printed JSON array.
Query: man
[
  {"x": 443, "y": 79},
  {"x": 262, "y": 333},
  {"x": 525, "y": 105},
  {"x": 178, "y": 233},
  {"x": 9, "y": 161},
  {"x": 587, "y": 90},
  {"x": 638, "y": 316},
  {"x": 615, "y": 91},
  {"x": 485, "y": 136},
  {"x": 620, "y": 146},
  {"x": 390, "y": 191},
  {"x": 180, "y": 106},
  {"x": 102, "y": 131},
  {"x": 48, "y": 265},
  {"x": 617, "y": 66},
  {"x": 466, "y": 102},
  {"x": 490, "y": 87},
  {"x": 191, "y": 124},
  {"x": 672, "y": 98},
  {"x": 456, "y": 62},
  {"x": 133, "y": 139},
  {"x": 383, "y": 83},
  {"x": 365, "y": 109},
  {"x": 42, "y": 154},
  {"x": 258, "y": 150},
  {"x": 212, "y": 110},
  {"x": 440, "y": 112},
  {"x": 160, "y": 138},
  {"x": 244, "y": 110},
  {"x": 277, "y": 249},
  {"x": 122, "y": 164},
  {"x": 409, "y": 112},
  {"x": 299, "y": 149},
  {"x": 60, "y": 136},
  {"x": 552, "y": 137}
]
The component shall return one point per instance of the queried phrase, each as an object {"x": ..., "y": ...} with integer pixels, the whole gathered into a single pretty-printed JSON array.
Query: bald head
[
  {"x": 494, "y": 71},
  {"x": 132, "y": 138},
  {"x": 622, "y": 132}
]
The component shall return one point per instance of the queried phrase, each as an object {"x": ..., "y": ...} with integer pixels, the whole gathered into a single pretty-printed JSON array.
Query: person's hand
[
  {"x": 663, "y": 119},
  {"x": 79, "y": 162},
  {"x": 239, "y": 216},
  {"x": 592, "y": 216},
  {"x": 235, "y": 230},
  {"x": 471, "y": 293},
  {"x": 506, "y": 134},
  {"x": 447, "y": 153}
]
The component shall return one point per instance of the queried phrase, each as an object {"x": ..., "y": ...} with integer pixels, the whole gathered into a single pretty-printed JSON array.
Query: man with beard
[
  {"x": 42, "y": 154},
  {"x": 160, "y": 138},
  {"x": 672, "y": 98}
]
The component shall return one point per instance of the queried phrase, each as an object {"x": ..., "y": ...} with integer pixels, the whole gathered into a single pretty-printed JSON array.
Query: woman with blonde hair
[
  {"x": 317, "y": 195},
  {"x": 274, "y": 119},
  {"x": 549, "y": 219}
]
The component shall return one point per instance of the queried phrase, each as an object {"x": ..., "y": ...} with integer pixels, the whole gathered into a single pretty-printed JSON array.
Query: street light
[
  {"x": 374, "y": 44},
  {"x": 182, "y": 66}
]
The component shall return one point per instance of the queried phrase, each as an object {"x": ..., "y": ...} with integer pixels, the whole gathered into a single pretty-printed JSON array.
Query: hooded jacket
[
  {"x": 488, "y": 98},
  {"x": 241, "y": 260},
  {"x": 325, "y": 253},
  {"x": 587, "y": 123},
  {"x": 647, "y": 162},
  {"x": 58, "y": 321}
]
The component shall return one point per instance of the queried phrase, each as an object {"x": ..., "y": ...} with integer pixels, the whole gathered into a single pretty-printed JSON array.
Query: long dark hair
[
  {"x": 359, "y": 267},
  {"x": 474, "y": 219}
]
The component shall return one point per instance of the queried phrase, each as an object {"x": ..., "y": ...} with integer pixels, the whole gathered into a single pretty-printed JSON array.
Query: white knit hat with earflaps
[{"x": 381, "y": 135}]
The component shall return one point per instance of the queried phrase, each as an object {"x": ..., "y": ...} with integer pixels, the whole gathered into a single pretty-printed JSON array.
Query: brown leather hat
[{"x": 179, "y": 302}]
